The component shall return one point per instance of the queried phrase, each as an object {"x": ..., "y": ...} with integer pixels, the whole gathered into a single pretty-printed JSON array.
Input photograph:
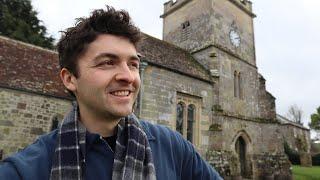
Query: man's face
[{"x": 108, "y": 81}]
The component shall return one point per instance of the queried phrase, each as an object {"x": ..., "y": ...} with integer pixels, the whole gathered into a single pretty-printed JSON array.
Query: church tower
[{"x": 220, "y": 35}]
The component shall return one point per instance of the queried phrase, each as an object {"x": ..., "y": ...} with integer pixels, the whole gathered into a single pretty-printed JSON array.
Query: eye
[
  {"x": 134, "y": 65},
  {"x": 108, "y": 62}
]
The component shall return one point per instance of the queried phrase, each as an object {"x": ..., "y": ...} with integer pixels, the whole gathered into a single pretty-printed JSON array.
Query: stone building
[
  {"x": 297, "y": 137},
  {"x": 32, "y": 98},
  {"x": 200, "y": 80}
]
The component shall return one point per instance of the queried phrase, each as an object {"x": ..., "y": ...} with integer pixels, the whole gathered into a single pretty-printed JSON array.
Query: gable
[{"x": 166, "y": 55}]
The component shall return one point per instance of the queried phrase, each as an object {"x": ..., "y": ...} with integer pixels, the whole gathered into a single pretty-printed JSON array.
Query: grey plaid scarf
[{"x": 132, "y": 157}]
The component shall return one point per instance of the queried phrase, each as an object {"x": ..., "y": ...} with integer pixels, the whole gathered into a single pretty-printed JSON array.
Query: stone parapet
[
  {"x": 271, "y": 166},
  {"x": 260, "y": 166}
]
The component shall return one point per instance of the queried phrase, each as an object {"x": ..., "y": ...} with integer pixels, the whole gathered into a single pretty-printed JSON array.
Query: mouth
[{"x": 121, "y": 93}]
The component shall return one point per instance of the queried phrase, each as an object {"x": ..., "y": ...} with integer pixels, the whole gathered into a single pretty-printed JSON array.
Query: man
[{"x": 100, "y": 138}]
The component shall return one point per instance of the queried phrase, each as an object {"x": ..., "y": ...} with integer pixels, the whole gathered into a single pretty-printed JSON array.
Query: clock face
[{"x": 235, "y": 38}]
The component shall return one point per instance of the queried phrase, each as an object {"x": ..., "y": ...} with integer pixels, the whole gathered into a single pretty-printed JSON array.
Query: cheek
[
  {"x": 138, "y": 80},
  {"x": 90, "y": 81},
  {"x": 100, "y": 76}
]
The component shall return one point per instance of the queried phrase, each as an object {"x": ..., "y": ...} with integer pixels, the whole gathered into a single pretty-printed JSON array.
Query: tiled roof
[
  {"x": 27, "y": 67},
  {"x": 284, "y": 121},
  {"x": 31, "y": 68}
]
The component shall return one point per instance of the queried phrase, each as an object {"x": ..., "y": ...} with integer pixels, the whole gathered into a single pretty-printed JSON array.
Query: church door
[{"x": 241, "y": 151}]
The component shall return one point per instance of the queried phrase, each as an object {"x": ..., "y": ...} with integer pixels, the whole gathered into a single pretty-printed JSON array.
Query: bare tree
[{"x": 295, "y": 114}]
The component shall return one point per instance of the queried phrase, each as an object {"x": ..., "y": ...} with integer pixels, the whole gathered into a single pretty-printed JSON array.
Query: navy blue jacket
[{"x": 174, "y": 158}]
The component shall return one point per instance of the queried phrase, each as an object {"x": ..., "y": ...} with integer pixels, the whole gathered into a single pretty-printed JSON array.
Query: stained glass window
[
  {"x": 180, "y": 112},
  {"x": 191, "y": 117}
]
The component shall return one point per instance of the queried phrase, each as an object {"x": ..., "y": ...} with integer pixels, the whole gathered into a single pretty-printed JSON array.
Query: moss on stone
[
  {"x": 215, "y": 127},
  {"x": 6, "y": 131},
  {"x": 217, "y": 108}
]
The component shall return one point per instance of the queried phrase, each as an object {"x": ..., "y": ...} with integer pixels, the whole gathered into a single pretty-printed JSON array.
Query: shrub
[{"x": 293, "y": 155}]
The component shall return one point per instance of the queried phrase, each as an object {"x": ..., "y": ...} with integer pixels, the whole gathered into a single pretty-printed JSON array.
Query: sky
[{"x": 287, "y": 37}]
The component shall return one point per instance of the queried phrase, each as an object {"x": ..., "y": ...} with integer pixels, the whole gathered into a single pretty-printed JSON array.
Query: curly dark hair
[{"x": 75, "y": 40}]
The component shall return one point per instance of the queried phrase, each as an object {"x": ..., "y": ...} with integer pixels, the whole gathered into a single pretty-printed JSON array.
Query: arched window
[
  {"x": 240, "y": 85},
  {"x": 187, "y": 117},
  {"x": 235, "y": 84},
  {"x": 179, "y": 119},
  {"x": 190, "y": 121}
]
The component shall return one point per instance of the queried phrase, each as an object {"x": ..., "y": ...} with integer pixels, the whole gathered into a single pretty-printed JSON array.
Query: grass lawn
[{"x": 306, "y": 173}]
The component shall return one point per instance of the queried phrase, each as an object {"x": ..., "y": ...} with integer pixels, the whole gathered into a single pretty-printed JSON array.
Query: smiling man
[
  {"x": 101, "y": 138},
  {"x": 106, "y": 82}
]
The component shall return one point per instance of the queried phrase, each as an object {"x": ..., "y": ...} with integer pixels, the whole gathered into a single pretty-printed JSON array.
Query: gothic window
[
  {"x": 190, "y": 121},
  {"x": 180, "y": 117},
  {"x": 187, "y": 117},
  {"x": 239, "y": 85},
  {"x": 235, "y": 84}
]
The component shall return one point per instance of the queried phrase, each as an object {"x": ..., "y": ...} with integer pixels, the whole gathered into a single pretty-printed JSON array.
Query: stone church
[{"x": 200, "y": 80}]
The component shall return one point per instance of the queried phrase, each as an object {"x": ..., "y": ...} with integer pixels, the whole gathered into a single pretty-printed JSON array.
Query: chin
[{"x": 123, "y": 113}]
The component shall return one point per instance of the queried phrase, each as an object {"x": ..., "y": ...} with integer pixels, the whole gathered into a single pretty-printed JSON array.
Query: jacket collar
[
  {"x": 147, "y": 130},
  {"x": 93, "y": 137}
]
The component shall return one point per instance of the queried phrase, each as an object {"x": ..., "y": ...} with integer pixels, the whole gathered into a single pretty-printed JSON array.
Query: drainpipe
[{"x": 143, "y": 66}]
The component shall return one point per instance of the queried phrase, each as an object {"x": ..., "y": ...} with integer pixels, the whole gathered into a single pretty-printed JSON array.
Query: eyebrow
[{"x": 114, "y": 56}]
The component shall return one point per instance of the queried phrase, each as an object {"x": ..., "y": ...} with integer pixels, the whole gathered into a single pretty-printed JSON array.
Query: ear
[{"x": 68, "y": 79}]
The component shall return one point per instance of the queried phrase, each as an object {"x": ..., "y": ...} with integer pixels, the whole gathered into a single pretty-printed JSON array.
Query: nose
[{"x": 125, "y": 74}]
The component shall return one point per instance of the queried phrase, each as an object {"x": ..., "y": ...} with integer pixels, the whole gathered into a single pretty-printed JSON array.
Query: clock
[{"x": 234, "y": 38}]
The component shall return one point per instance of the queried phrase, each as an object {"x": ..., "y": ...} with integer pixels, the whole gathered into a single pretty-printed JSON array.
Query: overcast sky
[{"x": 287, "y": 36}]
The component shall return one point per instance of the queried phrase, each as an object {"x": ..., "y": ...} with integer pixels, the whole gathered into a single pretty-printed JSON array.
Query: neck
[{"x": 103, "y": 125}]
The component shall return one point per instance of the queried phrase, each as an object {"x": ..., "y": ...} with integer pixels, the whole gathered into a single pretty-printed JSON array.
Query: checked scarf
[{"x": 132, "y": 157}]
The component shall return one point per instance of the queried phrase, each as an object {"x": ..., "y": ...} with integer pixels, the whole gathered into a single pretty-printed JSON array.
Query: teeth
[{"x": 121, "y": 93}]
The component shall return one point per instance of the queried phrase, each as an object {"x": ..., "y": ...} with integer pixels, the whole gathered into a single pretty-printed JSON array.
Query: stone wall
[
  {"x": 267, "y": 107},
  {"x": 24, "y": 116},
  {"x": 259, "y": 137},
  {"x": 161, "y": 88},
  {"x": 298, "y": 139},
  {"x": 227, "y": 17},
  {"x": 216, "y": 19},
  {"x": 247, "y": 104},
  {"x": 190, "y": 37},
  {"x": 224, "y": 162},
  {"x": 263, "y": 145},
  {"x": 254, "y": 102},
  {"x": 271, "y": 166},
  {"x": 261, "y": 166}
]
